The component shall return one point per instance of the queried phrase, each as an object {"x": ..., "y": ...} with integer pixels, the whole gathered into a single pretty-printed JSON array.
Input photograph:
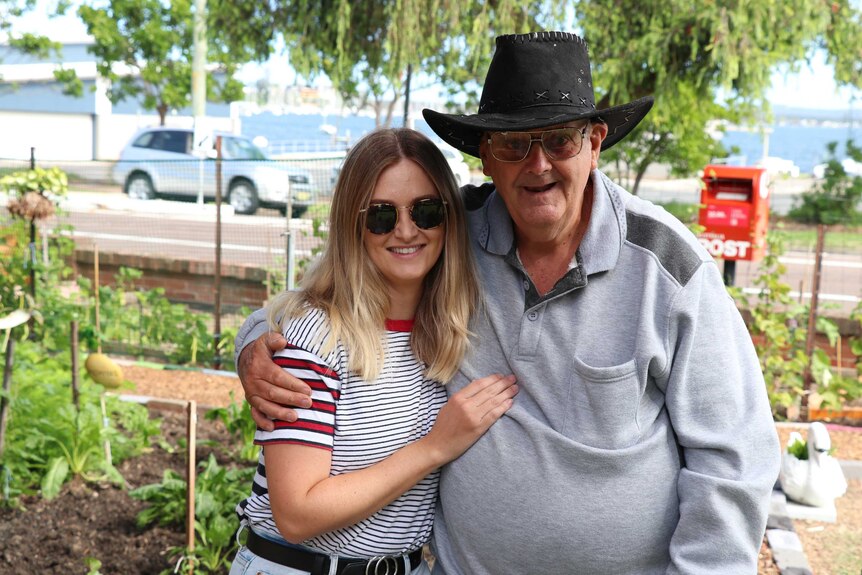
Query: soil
[{"x": 95, "y": 520}]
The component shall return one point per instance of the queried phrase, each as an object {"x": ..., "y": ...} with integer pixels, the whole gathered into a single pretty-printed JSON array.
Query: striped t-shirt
[{"x": 361, "y": 423}]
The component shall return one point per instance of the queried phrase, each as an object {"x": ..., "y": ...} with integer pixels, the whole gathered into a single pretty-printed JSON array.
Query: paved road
[{"x": 186, "y": 230}]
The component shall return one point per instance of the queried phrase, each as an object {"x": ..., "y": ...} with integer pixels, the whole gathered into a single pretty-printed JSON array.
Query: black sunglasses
[{"x": 382, "y": 217}]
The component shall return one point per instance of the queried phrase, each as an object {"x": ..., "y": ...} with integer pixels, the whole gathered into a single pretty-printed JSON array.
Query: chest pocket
[{"x": 602, "y": 405}]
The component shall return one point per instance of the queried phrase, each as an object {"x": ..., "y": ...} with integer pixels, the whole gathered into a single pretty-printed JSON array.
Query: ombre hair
[{"x": 349, "y": 288}]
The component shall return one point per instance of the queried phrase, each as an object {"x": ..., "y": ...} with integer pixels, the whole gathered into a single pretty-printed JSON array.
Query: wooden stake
[
  {"x": 812, "y": 318},
  {"x": 96, "y": 291},
  {"x": 108, "y": 456},
  {"x": 191, "y": 459},
  {"x": 7, "y": 378},
  {"x": 74, "y": 345}
]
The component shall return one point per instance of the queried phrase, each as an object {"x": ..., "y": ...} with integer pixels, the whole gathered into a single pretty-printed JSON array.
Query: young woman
[{"x": 380, "y": 322}]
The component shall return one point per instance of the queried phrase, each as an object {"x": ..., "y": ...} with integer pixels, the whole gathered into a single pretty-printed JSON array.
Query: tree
[
  {"x": 689, "y": 53},
  {"x": 834, "y": 199},
  {"x": 365, "y": 48},
  {"x": 35, "y": 44},
  {"x": 144, "y": 47}
]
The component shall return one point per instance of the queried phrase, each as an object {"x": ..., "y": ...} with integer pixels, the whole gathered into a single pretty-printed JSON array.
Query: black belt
[{"x": 318, "y": 563}]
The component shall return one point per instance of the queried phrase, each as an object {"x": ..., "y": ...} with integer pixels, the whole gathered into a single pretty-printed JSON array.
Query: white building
[{"x": 34, "y": 112}]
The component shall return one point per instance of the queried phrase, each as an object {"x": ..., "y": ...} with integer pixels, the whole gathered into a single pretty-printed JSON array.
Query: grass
[{"x": 838, "y": 240}]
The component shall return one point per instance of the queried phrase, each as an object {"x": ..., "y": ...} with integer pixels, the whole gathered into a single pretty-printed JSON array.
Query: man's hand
[{"x": 268, "y": 388}]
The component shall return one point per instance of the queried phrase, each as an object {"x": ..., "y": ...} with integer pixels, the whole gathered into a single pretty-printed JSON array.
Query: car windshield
[{"x": 241, "y": 149}]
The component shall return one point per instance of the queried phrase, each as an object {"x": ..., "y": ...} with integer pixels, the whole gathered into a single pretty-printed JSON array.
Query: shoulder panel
[{"x": 673, "y": 252}]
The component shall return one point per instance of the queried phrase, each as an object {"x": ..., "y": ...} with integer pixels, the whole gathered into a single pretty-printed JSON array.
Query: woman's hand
[{"x": 468, "y": 414}]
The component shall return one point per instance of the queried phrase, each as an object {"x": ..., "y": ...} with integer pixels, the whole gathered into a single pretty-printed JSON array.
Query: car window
[
  {"x": 143, "y": 140},
  {"x": 166, "y": 140},
  {"x": 240, "y": 149}
]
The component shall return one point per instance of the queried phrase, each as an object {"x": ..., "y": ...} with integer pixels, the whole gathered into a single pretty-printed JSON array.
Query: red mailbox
[{"x": 734, "y": 212}]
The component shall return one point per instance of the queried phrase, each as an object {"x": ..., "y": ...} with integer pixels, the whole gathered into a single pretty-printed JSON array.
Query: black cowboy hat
[{"x": 536, "y": 80}]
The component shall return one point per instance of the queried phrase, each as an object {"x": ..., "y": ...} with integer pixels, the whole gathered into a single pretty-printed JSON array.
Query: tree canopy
[
  {"x": 704, "y": 61},
  {"x": 144, "y": 47},
  {"x": 365, "y": 48}
]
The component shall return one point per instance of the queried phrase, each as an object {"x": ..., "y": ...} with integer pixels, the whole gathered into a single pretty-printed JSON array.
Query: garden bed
[{"x": 54, "y": 537}]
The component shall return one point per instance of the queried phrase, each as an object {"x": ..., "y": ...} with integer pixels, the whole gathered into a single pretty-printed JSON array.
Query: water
[
  {"x": 805, "y": 146},
  {"x": 302, "y": 132}
]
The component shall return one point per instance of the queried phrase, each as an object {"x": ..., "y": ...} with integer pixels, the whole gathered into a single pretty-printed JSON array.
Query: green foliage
[
  {"x": 49, "y": 441},
  {"x": 155, "y": 41},
  {"x": 798, "y": 449},
  {"x": 689, "y": 55},
  {"x": 144, "y": 320},
  {"x": 93, "y": 565},
  {"x": 38, "y": 180},
  {"x": 26, "y": 278},
  {"x": 237, "y": 420},
  {"x": 217, "y": 491},
  {"x": 777, "y": 326},
  {"x": 856, "y": 341},
  {"x": 835, "y": 199},
  {"x": 366, "y": 48}
]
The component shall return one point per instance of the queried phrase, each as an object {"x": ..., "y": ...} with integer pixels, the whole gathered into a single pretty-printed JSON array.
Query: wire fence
[
  {"x": 161, "y": 217},
  {"x": 167, "y": 208},
  {"x": 157, "y": 213}
]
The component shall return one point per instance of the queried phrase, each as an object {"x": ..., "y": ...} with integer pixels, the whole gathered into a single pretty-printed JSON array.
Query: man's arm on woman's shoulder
[{"x": 268, "y": 388}]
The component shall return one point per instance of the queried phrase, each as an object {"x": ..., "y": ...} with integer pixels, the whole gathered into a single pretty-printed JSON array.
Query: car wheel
[
  {"x": 140, "y": 187},
  {"x": 243, "y": 197}
]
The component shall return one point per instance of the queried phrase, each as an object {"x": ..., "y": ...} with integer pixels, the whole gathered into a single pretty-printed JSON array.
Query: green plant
[
  {"x": 34, "y": 196},
  {"x": 856, "y": 341},
  {"x": 49, "y": 440},
  {"x": 93, "y": 565},
  {"x": 143, "y": 320},
  {"x": 798, "y": 449},
  {"x": 217, "y": 491},
  {"x": 777, "y": 327},
  {"x": 835, "y": 199},
  {"x": 236, "y": 418}
]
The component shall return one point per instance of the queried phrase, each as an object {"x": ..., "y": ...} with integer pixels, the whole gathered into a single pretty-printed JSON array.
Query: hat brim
[{"x": 464, "y": 131}]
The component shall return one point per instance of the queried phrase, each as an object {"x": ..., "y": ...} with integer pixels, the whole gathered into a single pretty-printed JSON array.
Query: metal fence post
[
  {"x": 217, "y": 334},
  {"x": 289, "y": 248}
]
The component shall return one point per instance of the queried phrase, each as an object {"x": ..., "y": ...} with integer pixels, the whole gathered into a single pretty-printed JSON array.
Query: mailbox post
[{"x": 734, "y": 212}]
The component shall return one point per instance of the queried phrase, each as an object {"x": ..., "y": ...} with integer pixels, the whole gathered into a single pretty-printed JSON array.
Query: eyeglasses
[
  {"x": 559, "y": 144},
  {"x": 382, "y": 217}
]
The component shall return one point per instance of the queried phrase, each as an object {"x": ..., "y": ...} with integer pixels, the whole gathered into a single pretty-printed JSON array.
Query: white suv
[{"x": 160, "y": 160}]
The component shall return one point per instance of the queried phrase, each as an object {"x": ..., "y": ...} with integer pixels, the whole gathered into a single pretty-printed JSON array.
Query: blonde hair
[{"x": 348, "y": 287}]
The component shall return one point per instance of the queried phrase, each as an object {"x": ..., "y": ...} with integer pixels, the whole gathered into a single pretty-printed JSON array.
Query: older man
[{"x": 642, "y": 440}]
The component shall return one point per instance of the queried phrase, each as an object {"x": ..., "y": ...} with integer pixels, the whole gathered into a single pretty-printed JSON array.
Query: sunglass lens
[
  {"x": 381, "y": 218},
  {"x": 428, "y": 214}
]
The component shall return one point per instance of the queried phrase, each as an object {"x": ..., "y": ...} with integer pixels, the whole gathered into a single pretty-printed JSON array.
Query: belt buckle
[{"x": 381, "y": 565}]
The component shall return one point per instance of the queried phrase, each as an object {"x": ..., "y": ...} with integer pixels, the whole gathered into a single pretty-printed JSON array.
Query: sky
[{"x": 813, "y": 87}]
